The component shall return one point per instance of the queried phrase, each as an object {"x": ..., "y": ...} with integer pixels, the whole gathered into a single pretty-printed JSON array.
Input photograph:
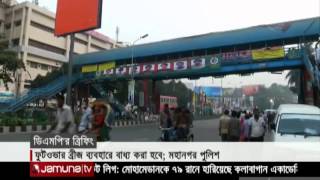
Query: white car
[
  {"x": 270, "y": 111},
  {"x": 296, "y": 123}
]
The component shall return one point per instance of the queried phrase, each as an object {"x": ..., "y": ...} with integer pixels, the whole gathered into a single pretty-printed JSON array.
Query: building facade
[{"x": 29, "y": 30}]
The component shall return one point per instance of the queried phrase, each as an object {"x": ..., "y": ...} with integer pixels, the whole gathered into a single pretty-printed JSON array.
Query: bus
[{"x": 170, "y": 100}]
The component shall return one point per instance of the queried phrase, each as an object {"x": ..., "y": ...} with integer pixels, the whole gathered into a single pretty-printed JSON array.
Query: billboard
[
  {"x": 268, "y": 53},
  {"x": 251, "y": 90},
  {"x": 170, "y": 100},
  {"x": 89, "y": 68},
  {"x": 208, "y": 90},
  {"x": 77, "y": 15}
]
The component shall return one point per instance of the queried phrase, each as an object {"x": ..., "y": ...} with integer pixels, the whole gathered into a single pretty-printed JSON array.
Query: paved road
[{"x": 204, "y": 131}]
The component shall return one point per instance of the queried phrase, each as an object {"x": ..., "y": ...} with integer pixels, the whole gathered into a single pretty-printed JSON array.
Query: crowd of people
[
  {"x": 96, "y": 119},
  {"x": 243, "y": 126},
  {"x": 176, "y": 122}
]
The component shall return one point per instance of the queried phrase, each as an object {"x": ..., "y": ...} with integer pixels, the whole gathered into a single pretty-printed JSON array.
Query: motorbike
[{"x": 170, "y": 135}]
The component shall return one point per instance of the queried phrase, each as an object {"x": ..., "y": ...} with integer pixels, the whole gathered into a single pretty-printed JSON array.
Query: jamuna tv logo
[
  {"x": 62, "y": 169},
  {"x": 35, "y": 168}
]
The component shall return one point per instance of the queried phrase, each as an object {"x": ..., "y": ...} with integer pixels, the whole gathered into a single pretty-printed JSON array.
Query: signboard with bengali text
[
  {"x": 211, "y": 62},
  {"x": 268, "y": 53},
  {"x": 89, "y": 68},
  {"x": 107, "y": 66}
]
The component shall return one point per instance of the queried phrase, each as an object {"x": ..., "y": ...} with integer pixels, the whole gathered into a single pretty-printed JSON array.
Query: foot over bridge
[{"x": 271, "y": 47}]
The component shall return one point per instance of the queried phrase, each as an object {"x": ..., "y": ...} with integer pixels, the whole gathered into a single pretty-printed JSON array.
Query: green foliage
[
  {"x": 13, "y": 120},
  {"x": 294, "y": 80},
  {"x": 24, "y": 117},
  {"x": 9, "y": 64},
  {"x": 176, "y": 89},
  {"x": 278, "y": 93}
]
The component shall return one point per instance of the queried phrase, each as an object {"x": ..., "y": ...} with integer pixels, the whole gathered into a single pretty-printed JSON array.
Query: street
[{"x": 203, "y": 130}]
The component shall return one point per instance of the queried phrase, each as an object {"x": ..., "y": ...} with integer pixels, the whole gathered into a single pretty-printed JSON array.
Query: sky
[{"x": 167, "y": 19}]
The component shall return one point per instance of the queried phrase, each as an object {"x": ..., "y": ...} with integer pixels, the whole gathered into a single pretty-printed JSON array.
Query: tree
[
  {"x": 176, "y": 89},
  {"x": 293, "y": 78},
  {"x": 9, "y": 65},
  {"x": 278, "y": 93}
]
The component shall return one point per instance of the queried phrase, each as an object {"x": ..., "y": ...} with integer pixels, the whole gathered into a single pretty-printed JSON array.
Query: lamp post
[
  {"x": 221, "y": 94},
  {"x": 132, "y": 83},
  {"x": 271, "y": 103}
]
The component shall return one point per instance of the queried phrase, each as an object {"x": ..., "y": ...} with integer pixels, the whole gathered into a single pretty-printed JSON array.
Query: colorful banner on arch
[
  {"x": 89, "y": 68},
  {"x": 268, "y": 53},
  {"x": 211, "y": 62}
]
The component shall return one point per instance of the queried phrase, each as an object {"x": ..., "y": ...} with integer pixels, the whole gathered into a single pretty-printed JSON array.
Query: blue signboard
[{"x": 209, "y": 91}]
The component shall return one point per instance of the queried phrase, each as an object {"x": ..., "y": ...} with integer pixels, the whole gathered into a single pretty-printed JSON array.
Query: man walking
[
  {"x": 166, "y": 121},
  {"x": 234, "y": 127},
  {"x": 86, "y": 118},
  {"x": 224, "y": 126},
  {"x": 64, "y": 118},
  {"x": 258, "y": 128}
]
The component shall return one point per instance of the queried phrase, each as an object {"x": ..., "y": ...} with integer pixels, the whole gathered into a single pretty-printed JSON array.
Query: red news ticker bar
[{"x": 62, "y": 169}]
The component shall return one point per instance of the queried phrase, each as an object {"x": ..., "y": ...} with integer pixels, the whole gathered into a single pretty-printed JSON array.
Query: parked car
[
  {"x": 296, "y": 122},
  {"x": 270, "y": 111}
]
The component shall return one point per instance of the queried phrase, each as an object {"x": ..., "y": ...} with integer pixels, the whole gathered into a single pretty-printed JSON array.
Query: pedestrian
[
  {"x": 108, "y": 121},
  {"x": 86, "y": 118},
  {"x": 258, "y": 127},
  {"x": 165, "y": 117},
  {"x": 242, "y": 125},
  {"x": 270, "y": 117},
  {"x": 183, "y": 124},
  {"x": 64, "y": 118},
  {"x": 190, "y": 116},
  {"x": 246, "y": 127},
  {"x": 172, "y": 112},
  {"x": 224, "y": 126},
  {"x": 102, "y": 120},
  {"x": 234, "y": 127},
  {"x": 128, "y": 111},
  {"x": 265, "y": 116},
  {"x": 166, "y": 121},
  {"x": 176, "y": 114}
]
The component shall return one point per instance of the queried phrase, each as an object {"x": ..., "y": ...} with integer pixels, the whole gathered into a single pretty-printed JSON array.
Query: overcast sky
[{"x": 167, "y": 19}]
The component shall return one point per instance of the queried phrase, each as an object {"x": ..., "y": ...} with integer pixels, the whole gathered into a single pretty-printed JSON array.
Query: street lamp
[
  {"x": 132, "y": 84},
  {"x": 271, "y": 103},
  {"x": 242, "y": 100},
  {"x": 221, "y": 94}
]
